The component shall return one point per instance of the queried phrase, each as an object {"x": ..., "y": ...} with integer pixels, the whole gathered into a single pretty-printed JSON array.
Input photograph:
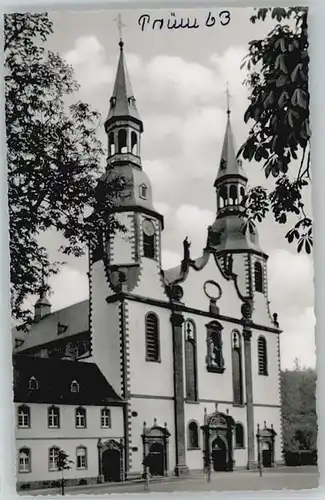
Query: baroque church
[{"x": 177, "y": 370}]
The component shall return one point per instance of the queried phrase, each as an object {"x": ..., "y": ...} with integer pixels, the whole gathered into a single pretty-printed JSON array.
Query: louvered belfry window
[
  {"x": 152, "y": 337},
  {"x": 262, "y": 356}
]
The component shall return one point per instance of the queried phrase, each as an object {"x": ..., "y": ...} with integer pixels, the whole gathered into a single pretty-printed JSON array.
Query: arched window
[
  {"x": 190, "y": 361},
  {"x": 74, "y": 387},
  {"x": 53, "y": 458},
  {"x": 24, "y": 460},
  {"x": 81, "y": 462},
  {"x": 237, "y": 372},
  {"x": 111, "y": 144},
  {"x": 23, "y": 416},
  {"x": 80, "y": 418},
  {"x": 223, "y": 196},
  {"x": 242, "y": 194},
  {"x": 53, "y": 417},
  {"x": 233, "y": 195},
  {"x": 122, "y": 142},
  {"x": 193, "y": 436},
  {"x": 215, "y": 359},
  {"x": 152, "y": 337},
  {"x": 148, "y": 239},
  {"x": 258, "y": 277},
  {"x": 239, "y": 435},
  {"x": 143, "y": 189},
  {"x": 134, "y": 143},
  {"x": 32, "y": 384},
  {"x": 262, "y": 356},
  {"x": 105, "y": 418}
]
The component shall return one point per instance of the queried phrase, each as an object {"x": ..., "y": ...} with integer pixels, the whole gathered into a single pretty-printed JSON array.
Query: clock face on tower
[{"x": 148, "y": 227}]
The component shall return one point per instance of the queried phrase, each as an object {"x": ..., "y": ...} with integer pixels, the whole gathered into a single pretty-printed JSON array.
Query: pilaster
[{"x": 177, "y": 321}]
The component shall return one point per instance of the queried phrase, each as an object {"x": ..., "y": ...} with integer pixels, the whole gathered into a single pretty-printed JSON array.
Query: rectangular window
[
  {"x": 106, "y": 418},
  {"x": 54, "y": 417},
  {"x": 81, "y": 458},
  {"x": 53, "y": 458},
  {"x": 80, "y": 418}
]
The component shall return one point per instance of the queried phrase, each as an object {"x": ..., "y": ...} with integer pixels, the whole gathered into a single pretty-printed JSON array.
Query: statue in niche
[{"x": 186, "y": 246}]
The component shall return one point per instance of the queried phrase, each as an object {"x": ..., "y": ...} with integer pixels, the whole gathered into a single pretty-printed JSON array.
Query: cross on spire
[
  {"x": 228, "y": 95},
  {"x": 119, "y": 25}
]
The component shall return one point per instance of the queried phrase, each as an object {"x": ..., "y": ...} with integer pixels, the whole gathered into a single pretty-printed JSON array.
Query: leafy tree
[
  {"x": 64, "y": 463},
  {"x": 279, "y": 138},
  {"x": 298, "y": 390},
  {"x": 53, "y": 156}
]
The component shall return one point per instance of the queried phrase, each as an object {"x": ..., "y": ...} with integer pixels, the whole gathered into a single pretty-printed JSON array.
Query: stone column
[
  {"x": 177, "y": 321},
  {"x": 247, "y": 334}
]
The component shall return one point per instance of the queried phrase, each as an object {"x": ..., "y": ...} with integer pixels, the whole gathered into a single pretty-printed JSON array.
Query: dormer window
[
  {"x": 74, "y": 387},
  {"x": 113, "y": 102},
  {"x": 143, "y": 191},
  {"x": 131, "y": 101},
  {"x": 32, "y": 384}
]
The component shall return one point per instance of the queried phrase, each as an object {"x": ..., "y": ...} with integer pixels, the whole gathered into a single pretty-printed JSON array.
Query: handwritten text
[{"x": 173, "y": 22}]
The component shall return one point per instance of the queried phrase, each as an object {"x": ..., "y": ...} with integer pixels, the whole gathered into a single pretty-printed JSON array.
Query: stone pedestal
[{"x": 181, "y": 470}]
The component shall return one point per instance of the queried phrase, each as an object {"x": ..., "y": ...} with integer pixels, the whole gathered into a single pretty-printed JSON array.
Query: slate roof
[
  {"x": 54, "y": 379},
  {"x": 75, "y": 317}
]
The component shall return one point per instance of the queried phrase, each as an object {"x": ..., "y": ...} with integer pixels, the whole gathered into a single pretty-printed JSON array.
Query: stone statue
[{"x": 186, "y": 245}]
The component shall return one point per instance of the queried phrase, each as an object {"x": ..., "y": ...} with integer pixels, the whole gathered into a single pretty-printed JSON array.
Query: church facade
[{"x": 191, "y": 354}]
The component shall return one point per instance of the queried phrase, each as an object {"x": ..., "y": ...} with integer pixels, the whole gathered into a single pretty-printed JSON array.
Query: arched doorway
[
  {"x": 266, "y": 455},
  {"x": 155, "y": 448},
  {"x": 156, "y": 459},
  {"x": 219, "y": 454},
  {"x": 112, "y": 465}
]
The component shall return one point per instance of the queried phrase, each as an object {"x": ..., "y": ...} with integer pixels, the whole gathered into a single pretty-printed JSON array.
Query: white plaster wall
[
  {"x": 214, "y": 386},
  {"x": 266, "y": 388},
  {"x": 39, "y": 425},
  {"x": 40, "y": 459},
  {"x": 150, "y": 283},
  {"x": 122, "y": 245},
  {"x": 261, "y": 312},
  {"x": 39, "y": 438},
  {"x": 104, "y": 321},
  {"x": 148, "y": 377},
  {"x": 148, "y": 409},
  {"x": 240, "y": 268},
  {"x": 194, "y": 458},
  {"x": 270, "y": 416},
  {"x": 194, "y": 296}
]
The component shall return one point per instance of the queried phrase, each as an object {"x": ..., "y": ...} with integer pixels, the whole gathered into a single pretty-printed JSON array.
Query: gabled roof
[{"x": 54, "y": 379}]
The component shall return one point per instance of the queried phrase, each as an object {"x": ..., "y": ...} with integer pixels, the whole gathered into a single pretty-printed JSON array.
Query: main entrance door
[
  {"x": 156, "y": 459},
  {"x": 219, "y": 455},
  {"x": 111, "y": 465}
]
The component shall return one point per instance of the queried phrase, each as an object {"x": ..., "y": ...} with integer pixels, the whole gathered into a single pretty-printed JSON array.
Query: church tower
[
  {"x": 237, "y": 251},
  {"x": 133, "y": 206}
]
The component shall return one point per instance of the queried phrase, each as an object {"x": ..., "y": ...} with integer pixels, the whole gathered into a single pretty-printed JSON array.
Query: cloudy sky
[{"x": 179, "y": 80}]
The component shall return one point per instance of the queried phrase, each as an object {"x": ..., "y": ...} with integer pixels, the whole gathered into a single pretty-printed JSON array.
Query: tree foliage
[
  {"x": 298, "y": 390},
  {"x": 53, "y": 155},
  {"x": 277, "y": 77}
]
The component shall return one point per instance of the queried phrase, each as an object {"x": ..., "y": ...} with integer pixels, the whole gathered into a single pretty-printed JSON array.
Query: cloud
[
  {"x": 291, "y": 291},
  {"x": 70, "y": 286},
  {"x": 89, "y": 61},
  {"x": 298, "y": 339},
  {"x": 170, "y": 259},
  {"x": 291, "y": 279}
]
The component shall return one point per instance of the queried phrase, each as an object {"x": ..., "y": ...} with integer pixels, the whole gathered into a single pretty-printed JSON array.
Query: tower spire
[{"x": 122, "y": 101}]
